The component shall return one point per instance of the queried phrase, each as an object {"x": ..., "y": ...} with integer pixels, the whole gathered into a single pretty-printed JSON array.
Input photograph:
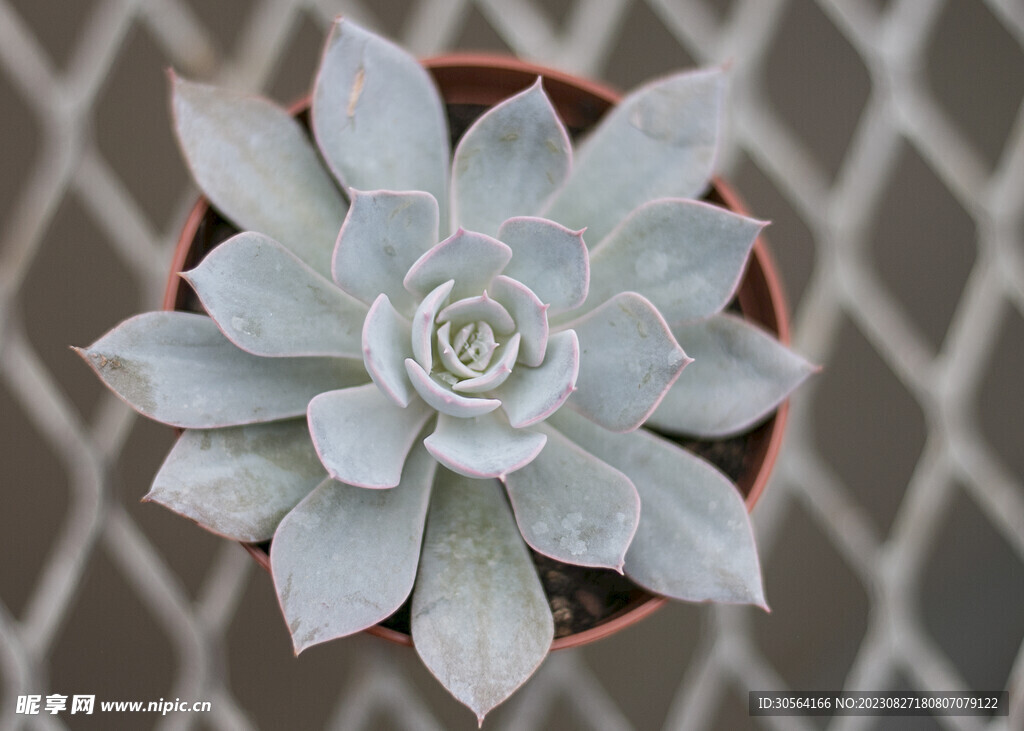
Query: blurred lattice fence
[{"x": 884, "y": 138}]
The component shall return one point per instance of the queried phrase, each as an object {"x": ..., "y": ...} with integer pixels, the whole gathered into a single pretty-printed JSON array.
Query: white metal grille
[{"x": 59, "y": 89}]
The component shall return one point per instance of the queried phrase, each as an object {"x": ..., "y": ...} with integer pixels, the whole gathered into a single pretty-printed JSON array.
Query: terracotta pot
[{"x": 470, "y": 83}]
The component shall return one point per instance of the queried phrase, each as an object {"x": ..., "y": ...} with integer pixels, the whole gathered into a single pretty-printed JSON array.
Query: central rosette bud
[
  {"x": 463, "y": 351},
  {"x": 474, "y": 345},
  {"x": 461, "y": 331}
]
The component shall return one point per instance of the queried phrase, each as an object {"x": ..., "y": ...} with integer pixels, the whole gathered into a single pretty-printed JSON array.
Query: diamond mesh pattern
[{"x": 892, "y": 535}]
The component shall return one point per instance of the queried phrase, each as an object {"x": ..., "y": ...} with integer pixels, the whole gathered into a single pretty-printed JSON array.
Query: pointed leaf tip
[
  {"x": 685, "y": 256},
  {"x": 386, "y": 129},
  {"x": 740, "y": 376},
  {"x": 660, "y": 141},
  {"x": 694, "y": 541},
  {"x": 628, "y": 361},
  {"x": 512, "y": 159},
  {"x": 480, "y": 621}
]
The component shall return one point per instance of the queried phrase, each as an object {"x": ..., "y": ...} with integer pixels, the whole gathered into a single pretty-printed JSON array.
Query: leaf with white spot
[
  {"x": 686, "y": 257},
  {"x": 178, "y": 368},
  {"x": 573, "y": 507},
  {"x": 658, "y": 142},
  {"x": 739, "y": 375},
  {"x": 694, "y": 541},
  {"x": 240, "y": 481},
  {"x": 480, "y": 620}
]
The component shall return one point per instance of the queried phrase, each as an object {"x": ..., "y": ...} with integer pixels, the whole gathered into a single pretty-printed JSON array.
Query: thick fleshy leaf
[
  {"x": 386, "y": 345},
  {"x": 530, "y": 315},
  {"x": 739, "y": 375},
  {"x": 628, "y": 360},
  {"x": 178, "y": 368},
  {"x": 659, "y": 142},
  {"x": 549, "y": 259},
  {"x": 378, "y": 117},
  {"x": 270, "y": 303},
  {"x": 496, "y": 374},
  {"x": 449, "y": 358},
  {"x": 573, "y": 507},
  {"x": 532, "y": 394},
  {"x": 256, "y": 164},
  {"x": 509, "y": 162},
  {"x": 239, "y": 481},
  {"x": 335, "y": 569},
  {"x": 694, "y": 541},
  {"x": 471, "y": 259},
  {"x": 482, "y": 446},
  {"x": 480, "y": 621},
  {"x": 362, "y": 437},
  {"x": 686, "y": 257},
  {"x": 473, "y": 309},
  {"x": 424, "y": 324},
  {"x": 442, "y": 398},
  {"x": 383, "y": 235}
]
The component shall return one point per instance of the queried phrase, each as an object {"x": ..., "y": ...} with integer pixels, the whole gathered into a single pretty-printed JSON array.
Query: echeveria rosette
[{"x": 458, "y": 338}]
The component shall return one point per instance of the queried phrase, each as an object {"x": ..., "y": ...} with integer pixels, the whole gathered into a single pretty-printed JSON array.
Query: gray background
[{"x": 885, "y": 141}]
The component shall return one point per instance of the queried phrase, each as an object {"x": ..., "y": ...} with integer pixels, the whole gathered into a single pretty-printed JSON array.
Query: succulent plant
[{"x": 403, "y": 337}]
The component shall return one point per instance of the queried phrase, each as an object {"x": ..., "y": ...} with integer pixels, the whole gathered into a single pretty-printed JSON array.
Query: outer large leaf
[
  {"x": 684, "y": 256},
  {"x": 509, "y": 162},
  {"x": 628, "y": 360},
  {"x": 178, "y": 368},
  {"x": 739, "y": 375},
  {"x": 480, "y": 620},
  {"x": 383, "y": 235},
  {"x": 574, "y": 507},
  {"x": 346, "y": 557},
  {"x": 258, "y": 167},
  {"x": 659, "y": 142},
  {"x": 378, "y": 117},
  {"x": 482, "y": 446},
  {"x": 694, "y": 541},
  {"x": 362, "y": 437},
  {"x": 549, "y": 259},
  {"x": 239, "y": 481},
  {"x": 268, "y": 302}
]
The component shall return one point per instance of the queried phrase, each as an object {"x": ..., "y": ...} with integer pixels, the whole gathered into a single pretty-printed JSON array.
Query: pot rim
[{"x": 760, "y": 284}]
